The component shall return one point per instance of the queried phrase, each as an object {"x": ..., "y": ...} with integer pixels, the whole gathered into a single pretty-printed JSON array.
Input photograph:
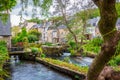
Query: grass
[{"x": 77, "y": 68}]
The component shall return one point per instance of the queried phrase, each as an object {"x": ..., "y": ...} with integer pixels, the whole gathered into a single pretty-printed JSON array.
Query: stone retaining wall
[
  {"x": 53, "y": 50},
  {"x": 72, "y": 73}
]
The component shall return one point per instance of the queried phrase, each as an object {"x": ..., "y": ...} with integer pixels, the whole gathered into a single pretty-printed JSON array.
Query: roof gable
[{"x": 5, "y": 28}]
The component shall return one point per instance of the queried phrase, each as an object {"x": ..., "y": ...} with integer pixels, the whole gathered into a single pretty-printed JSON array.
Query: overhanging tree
[{"x": 110, "y": 35}]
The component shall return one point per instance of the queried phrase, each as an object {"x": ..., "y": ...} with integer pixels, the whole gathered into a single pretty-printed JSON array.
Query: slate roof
[
  {"x": 5, "y": 28},
  {"x": 94, "y": 21},
  {"x": 62, "y": 27},
  {"x": 41, "y": 25}
]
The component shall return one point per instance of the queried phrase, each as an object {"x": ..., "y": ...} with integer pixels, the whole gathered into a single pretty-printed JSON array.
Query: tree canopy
[{"x": 7, "y": 4}]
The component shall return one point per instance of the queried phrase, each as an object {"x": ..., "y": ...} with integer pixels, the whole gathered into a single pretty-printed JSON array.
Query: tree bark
[{"x": 110, "y": 35}]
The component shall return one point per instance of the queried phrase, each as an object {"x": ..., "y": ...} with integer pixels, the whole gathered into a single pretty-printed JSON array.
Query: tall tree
[
  {"x": 6, "y": 5},
  {"x": 110, "y": 35},
  {"x": 63, "y": 9}
]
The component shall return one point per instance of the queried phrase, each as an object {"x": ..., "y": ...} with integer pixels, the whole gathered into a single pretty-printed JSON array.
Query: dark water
[{"x": 24, "y": 70}]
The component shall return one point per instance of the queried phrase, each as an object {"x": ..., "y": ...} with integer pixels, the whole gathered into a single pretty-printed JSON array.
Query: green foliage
[
  {"x": 95, "y": 12},
  {"x": 72, "y": 44},
  {"x": 66, "y": 59},
  {"x": 34, "y": 32},
  {"x": 35, "y": 20},
  {"x": 93, "y": 46},
  {"x": 48, "y": 44},
  {"x": 115, "y": 61},
  {"x": 38, "y": 51},
  {"x": 67, "y": 65},
  {"x": 72, "y": 48},
  {"x": 118, "y": 8},
  {"x": 116, "y": 68},
  {"x": 32, "y": 38},
  {"x": 7, "y": 5},
  {"x": 87, "y": 14},
  {"x": 42, "y": 55},
  {"x": 117, "y": 52},
  {"x": 4, "y": 18},
  {"x": 73, "y": 52},
  {"x": 21, "y": 36},
  {"x": 116, "y": 58},
  {"x": 3, "y": 51},
  {"x": 34, "y": 50},
  {"x": 33, "y": 35},
  {"x": 14, "y": 40},
  {"x": 3, "y": 58},
  {"x": 35, "y": 45},
  {"x": 46, "y": 6},
  {"x": 15, "y": 30}
]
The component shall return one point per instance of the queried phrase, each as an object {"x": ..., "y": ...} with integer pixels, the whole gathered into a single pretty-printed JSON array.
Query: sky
[{"x": 15, "y": 14}]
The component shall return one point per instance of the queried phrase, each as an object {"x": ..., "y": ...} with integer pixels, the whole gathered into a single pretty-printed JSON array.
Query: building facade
[{"x": 5, "y": 31}]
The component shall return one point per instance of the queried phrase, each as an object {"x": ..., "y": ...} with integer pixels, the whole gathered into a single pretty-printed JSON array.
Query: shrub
[
  {"x": 93, "y": 46},
  {"x": 34, "y": 32},
  {"x": 14, "y": 40},
  {"x": 72, "y": 44},
  {"x": 72, "y": 48},
  {"x": 66, "y": 59},
  {"x": 77, "y": 68},
  {"x": 35, "y": 45},
  {"x": 34, "y": 50},
  {"x": 3, "y": 57},
  {"x": 32, "y": 38},
  {"x": 115, "y": 61},
  {"x": 42, "y": 55}
]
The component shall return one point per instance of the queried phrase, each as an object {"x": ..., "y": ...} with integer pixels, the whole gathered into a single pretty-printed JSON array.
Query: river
[{"x": 27, "y": 70}]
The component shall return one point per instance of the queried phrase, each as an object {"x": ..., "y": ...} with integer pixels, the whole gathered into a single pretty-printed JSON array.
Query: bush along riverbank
[
  {"x": 77, "y": 72},
  {"x": 3, "y": 58}
]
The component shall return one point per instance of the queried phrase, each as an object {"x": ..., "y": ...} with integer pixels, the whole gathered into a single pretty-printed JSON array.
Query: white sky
[{"x": 15, "y": 18}]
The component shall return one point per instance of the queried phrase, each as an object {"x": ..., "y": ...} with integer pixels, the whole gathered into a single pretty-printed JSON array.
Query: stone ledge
[{"x": 67, "y": 71}]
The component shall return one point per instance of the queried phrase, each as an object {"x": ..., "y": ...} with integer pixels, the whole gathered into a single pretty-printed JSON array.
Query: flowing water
[
  {"x": 81, "y": 61},
  {"x": 26, "y": 70}
]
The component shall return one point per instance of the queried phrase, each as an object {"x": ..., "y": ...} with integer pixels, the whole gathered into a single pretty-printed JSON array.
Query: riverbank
[
  {"x": 72, "y": 70},
  {"x": 30, "y": 70}
]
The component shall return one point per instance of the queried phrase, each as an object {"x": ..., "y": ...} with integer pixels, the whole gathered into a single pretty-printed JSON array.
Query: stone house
[
  {"x": 50, "y": 34},
  {"x": 27, "y": 24},
  {"x": 93, "y": 26},
  {"x": 5, "y": 31},
  {"x": 58, "y": 35}
]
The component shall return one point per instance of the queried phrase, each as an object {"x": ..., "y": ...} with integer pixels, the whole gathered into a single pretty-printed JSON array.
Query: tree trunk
[
  {"x": 83, "y": 32},
  {"x": 63, "y": 11},
  {"x": 110, "y": 35}
]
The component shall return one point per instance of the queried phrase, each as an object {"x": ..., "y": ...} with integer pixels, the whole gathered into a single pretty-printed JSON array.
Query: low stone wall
[
  {"x": 72, "y": 73},
  {"x": 53, "y": 50}
]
